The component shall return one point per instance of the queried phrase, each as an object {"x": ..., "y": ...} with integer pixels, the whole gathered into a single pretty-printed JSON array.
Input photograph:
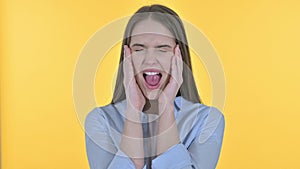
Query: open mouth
[{"x": 152, "y": 79}]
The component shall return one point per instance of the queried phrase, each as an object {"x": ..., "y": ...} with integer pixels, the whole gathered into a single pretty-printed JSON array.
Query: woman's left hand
[
  {"x": 168, "y": 95},
  {"x": 167, "y": 128}
]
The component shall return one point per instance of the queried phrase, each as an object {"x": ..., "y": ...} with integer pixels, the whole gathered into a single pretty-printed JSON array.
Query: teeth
[{"x": 151, "y": 73}]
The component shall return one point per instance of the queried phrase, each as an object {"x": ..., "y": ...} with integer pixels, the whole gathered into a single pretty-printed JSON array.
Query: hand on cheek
[
  {"x": 134, "y": 96},
  {"x": 168, "y": 95},
  {"x": 132, "y": 137},
  {"x": 167, "y": 128}
]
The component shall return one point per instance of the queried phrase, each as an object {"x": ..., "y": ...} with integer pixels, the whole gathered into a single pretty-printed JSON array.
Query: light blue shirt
[{"x": 200, "y": 130}]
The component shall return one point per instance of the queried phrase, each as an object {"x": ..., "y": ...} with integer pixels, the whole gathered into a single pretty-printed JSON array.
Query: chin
[{"x": 153, "y": 94}]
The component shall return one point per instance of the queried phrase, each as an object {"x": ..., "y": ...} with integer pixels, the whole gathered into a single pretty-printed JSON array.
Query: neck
[{"x": 151, "y": 107}]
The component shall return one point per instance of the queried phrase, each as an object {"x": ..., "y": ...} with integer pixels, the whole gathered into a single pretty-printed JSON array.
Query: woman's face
[{"x": 152, "y": 47}]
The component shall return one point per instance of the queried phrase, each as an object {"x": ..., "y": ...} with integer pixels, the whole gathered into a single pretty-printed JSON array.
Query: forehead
[
  {"x": 152, "y": 27},
  {"x": 151, "y": 32},
  {"x": 152, "y": 40}
]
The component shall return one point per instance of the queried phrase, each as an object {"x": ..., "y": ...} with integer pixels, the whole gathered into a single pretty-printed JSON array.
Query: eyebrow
[
  {"x": 163, "y": 46},
  {"x": 138, "y": 44},
  {"x": 158, "y": 46}
]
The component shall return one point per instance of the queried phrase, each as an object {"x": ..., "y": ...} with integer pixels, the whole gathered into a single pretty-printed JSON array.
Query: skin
[
  {"x": 152, "y": 46},
  {"x": 152, "y": 51}
]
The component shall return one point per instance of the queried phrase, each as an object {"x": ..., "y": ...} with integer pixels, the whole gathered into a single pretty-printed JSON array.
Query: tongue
[{"x": 152, "y": 80}]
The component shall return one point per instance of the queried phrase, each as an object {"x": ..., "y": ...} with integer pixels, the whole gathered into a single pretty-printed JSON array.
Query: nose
[{"x": 150, "y": 57}]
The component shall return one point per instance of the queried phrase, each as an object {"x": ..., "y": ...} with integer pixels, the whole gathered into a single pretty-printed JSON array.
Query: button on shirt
[{"x": 200, "y": 130}]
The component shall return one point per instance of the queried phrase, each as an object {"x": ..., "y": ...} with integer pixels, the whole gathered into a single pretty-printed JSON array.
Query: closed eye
[
  {"x": 164, "y": 48},
  {"x": 137, "y": 47},
  {"x": 137, "y": 50}
]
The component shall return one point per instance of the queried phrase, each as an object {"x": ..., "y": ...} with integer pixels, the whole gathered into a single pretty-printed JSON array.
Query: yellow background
[{"x": 257, "y": 41}]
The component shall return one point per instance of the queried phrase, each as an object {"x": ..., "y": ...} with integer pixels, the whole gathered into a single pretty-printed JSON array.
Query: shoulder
[
  {"x": 213, "y": 114},
  {"x": 208, "y": 119},
  {"x": 96, "y": 115},
  {"x": 199, "y": 109},
  {"x": 107, "y": 115},
  {"x": 93, "y": 118}
]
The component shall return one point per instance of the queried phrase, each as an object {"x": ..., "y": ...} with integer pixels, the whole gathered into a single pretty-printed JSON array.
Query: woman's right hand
[
  {"x": 134, "y": 97},
  {"x": 132, "y": 139}
]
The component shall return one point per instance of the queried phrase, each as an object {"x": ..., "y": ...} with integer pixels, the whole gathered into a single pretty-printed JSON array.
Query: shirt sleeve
[
  {"x": 205, "y": 149},
  {"x": 101, "y": 152},
  {"x": 177, "y": 157},
  {"x": 203, "y": 153}
]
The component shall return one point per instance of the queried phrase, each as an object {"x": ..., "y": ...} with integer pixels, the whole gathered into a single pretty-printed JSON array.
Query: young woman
[{"x": 156, "y": 118}]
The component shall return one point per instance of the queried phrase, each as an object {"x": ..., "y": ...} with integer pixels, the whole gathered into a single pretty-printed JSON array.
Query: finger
[
  {"x": 127, "y": 64},
  {"x": 177, "y": 50},
  {"x": 179, "y": 66},
  {"x": 127, "y": 51},
  {"x": 178, "y": 57},
  {"x": 173, "y": 68}
]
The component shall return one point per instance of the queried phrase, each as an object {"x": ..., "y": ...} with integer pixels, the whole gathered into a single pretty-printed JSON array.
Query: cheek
[
  {"x": 136, "y": 63},
  {"x": 166, "y": 64}
]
